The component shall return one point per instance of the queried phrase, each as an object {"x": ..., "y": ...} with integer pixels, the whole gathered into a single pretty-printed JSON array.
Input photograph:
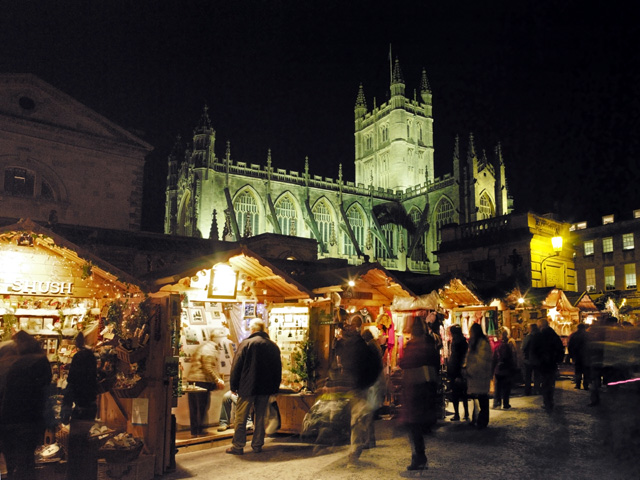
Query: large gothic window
[
  {"x": 246, "y": 210},
  {"x": 356, "y": 220},
  {"x": 444, "y": 216},
  {"x": 322, "y": 216},
  {"x": 419, "y": 254},
  {"x": 389, "y": 231},
  {"x": 485, "y": 209},
  {"x": 286, "y": 215},
  {"x": 368, "y": 140}
]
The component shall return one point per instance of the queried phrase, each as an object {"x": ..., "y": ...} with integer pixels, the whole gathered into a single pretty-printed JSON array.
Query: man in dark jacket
[
  {"x": 256, "y": 373},
  {"x": 549, "y": 350},
  {"x": 579, "y": 355},
  {"x": 79, "y": 409},
  {"x": 531, "y": 371}
]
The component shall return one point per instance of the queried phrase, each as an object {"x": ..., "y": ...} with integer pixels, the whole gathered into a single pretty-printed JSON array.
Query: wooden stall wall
[{"x": 147, "y": 415}]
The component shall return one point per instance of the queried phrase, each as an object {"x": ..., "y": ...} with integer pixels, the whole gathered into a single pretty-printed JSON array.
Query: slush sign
[{"x": 34, "y": 287}]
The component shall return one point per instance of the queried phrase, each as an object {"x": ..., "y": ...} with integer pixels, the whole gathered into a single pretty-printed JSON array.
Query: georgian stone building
[
  {"x": 61, "y": 162},
  {"x": 391, "y": 213}
]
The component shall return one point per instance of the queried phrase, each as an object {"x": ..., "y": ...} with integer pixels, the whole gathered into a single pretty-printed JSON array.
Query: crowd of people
[{"x": 356, "y": 371}]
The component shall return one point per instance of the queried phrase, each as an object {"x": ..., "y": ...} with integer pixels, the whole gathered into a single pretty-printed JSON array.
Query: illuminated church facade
[{"x": 392, "y": 213}]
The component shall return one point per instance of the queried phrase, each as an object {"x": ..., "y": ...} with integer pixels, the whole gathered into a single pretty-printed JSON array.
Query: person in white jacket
[{"x": 478, "y": 372}]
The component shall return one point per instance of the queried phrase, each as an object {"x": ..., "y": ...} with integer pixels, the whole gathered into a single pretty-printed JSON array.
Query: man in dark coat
[
  {"x": 531, "y": 371},
  {"x": 79, "y": 408},
  {"x": 549, "y": 350},
  {"x": 256, "y": 373},
  {"x": 579, "y": 354}
]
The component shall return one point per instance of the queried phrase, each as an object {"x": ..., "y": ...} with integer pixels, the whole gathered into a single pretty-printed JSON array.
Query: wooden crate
[
  {"x": 143, "y": 468},
  {"x": 293, "y": 408}
]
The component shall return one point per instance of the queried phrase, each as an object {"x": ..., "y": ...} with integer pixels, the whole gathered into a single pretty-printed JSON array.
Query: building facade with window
[
  {"x": 515, "y": 250},
  {"x": 392, "y": 213},
  {"x": 606, "y": 254},
  {"x": 61, "y": 162}
]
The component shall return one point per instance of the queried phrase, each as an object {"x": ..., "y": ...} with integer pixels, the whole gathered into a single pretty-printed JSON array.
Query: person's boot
[
  {"x": 418, "y": 462},
  {"x": 456, "y": 415}
]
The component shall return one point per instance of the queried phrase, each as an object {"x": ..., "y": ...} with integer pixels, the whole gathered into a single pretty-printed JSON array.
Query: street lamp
[{"x": 556, "y": 243}]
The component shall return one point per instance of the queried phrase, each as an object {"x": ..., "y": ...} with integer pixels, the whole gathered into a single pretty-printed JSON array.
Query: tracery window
[
  {"x": 355, "y": 219},
  {"x": 384, "y": 130},
  {"x": 389, "y": 231},
  {"x": 444, "y": 216},
  {"x": 485, "y": 209},
  {"x": 286, "y": 215},
  {"x": 246, "y": 210},
  {"x": 322, "y": 216}
]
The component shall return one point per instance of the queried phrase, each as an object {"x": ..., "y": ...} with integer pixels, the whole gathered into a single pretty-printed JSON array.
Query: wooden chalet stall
[
  {"x": 53, "y": 289},
  {"x": 219, "y": 295},
  {"x": 454, "y": 301},
  {"x": 523, "y": 308}
]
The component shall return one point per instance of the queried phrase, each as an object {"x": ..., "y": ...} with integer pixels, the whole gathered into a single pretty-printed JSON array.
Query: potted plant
[{"x": 304, "y": 363}]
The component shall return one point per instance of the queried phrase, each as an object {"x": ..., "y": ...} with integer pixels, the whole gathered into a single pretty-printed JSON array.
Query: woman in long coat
[
  {"x": 478, "y": 373},
  {"x": 418, "y": 378},
  {"x": 459, "y": 347}
]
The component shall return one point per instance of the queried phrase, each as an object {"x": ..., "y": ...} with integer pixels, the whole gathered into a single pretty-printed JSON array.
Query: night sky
[{"x": 556, "y": 82}]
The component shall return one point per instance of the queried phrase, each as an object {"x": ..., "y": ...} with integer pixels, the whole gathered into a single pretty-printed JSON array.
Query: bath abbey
[{"x": 390, "y": 213}]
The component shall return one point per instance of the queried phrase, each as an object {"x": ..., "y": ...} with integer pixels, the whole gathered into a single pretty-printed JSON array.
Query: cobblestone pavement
[{"x": 573, "y": 442}]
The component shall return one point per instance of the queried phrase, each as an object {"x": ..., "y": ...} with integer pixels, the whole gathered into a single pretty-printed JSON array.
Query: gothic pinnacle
[
  {"x": 361, "y": 102},
  {"x": 397, "y": 73},
  {"x": 424, "y": 82},
  {"x": 204, "y": 120},
  {"x": 472, "y": 149}
]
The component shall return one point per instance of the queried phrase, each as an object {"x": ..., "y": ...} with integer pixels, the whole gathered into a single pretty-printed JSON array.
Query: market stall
[
  {"x": 523, "y": 308},
  {"x": 52, "y": 289},
  {"x": 219, "y": 296}
]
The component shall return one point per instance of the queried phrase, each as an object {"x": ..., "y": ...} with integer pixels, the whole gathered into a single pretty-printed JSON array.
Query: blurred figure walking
[
  {"x": 359, "y": 366},
  {"x": 22, "y": 420},
  {"x": 418, "y": 373}
]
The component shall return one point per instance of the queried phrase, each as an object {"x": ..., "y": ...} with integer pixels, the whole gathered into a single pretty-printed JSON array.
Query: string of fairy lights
[{"x": 93, "y": 286}]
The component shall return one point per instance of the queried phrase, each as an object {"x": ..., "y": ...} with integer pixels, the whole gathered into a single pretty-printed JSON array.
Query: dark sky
[{"x": 556, "y": 82}]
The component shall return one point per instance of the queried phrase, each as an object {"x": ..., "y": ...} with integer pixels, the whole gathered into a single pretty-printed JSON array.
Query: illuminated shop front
[
  {"x": 219, "y": 296},
  {"x": 52, "y": 289}
]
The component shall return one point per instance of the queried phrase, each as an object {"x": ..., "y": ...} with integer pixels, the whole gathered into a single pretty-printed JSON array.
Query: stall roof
[
  {"x": 447, "y": 292},
  {"x": 279, "y": 285},
  {"x": 550, "y": 297},
  {"x": 373, "y": 283},
  {"x": 583, "y": 301},
  {"x": 44, "y": 238}
]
